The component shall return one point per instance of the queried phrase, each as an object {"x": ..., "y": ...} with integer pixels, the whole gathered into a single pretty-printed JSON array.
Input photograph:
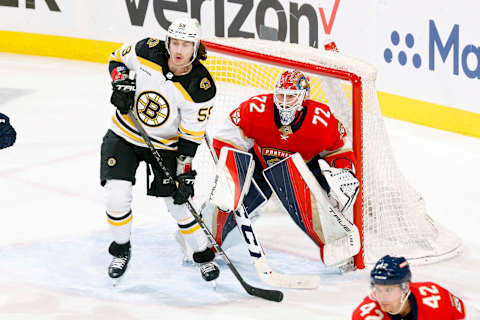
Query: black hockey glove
[
  {"x": 185, "y": 187},
  {"x": 123, "y": 94}
]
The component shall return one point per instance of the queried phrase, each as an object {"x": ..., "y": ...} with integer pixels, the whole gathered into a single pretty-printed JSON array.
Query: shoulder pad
[
  {"x": 199, "y": 84},
  {"x": 152, "y": 49},
  {"x": 315, "y": 103}
]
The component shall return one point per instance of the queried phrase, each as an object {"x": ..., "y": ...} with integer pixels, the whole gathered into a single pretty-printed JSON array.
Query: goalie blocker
[{"x": 313, "y": 210}]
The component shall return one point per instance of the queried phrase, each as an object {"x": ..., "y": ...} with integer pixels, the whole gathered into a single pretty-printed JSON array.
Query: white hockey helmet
[
  {"x": 186, "y": 29},
  {"x": 291, "y": 89}
]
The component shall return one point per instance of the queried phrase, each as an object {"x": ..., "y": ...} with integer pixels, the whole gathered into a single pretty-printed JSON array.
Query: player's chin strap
[
  {"x": 272, "y": 295},
  {"x": 403, "y": 300}
]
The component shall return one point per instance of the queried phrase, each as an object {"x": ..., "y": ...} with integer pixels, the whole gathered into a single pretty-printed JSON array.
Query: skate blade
[
  {"x": 186, "y": 261},
  {"x": 214, "y": 284},
  {"x": 116, "y": 281}
]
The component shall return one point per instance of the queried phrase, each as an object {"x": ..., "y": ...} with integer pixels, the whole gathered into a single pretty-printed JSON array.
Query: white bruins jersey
[{"x": 168, "y": 106}]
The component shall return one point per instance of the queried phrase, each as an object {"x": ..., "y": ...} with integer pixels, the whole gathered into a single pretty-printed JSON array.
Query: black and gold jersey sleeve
[
  {"x": 153, "y": 50},
  {"x": 199, "y": 84}
]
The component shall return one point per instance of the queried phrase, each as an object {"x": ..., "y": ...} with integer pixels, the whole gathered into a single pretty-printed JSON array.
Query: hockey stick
[
  {"x": 264, "y": 270},
  {"x": 272, "y": 295}
]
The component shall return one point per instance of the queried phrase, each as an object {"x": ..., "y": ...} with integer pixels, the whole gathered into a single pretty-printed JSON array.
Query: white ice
[{"x": 54, "y": 235}]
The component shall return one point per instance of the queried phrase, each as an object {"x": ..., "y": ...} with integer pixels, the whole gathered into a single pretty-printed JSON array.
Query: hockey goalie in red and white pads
[{"x": 302, "y": 154}]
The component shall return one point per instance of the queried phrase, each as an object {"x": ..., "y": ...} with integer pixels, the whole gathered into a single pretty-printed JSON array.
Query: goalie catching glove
[
  {"x": 343, "y": 186},
  {"x": 185, "y": 178}
]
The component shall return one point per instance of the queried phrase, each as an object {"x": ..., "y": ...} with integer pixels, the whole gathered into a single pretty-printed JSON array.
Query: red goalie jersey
[
  {"x": 431, "y": 302},
  {"x": 315, "y": 131}
]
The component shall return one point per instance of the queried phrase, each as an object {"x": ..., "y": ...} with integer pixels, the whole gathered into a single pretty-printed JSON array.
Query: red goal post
[{"x": 389, "y": 213}]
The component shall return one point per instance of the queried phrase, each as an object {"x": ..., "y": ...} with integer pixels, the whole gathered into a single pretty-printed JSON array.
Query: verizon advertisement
[
  {"x": 426, "y": 50},
  {"x": 306, "y": 22}
]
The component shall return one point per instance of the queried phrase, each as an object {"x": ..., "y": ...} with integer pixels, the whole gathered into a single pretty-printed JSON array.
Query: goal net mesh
[{"x": 391, "y": 214}]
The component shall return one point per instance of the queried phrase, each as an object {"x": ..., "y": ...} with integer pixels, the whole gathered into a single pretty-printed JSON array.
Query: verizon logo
[{"x": 286, "y": 13}]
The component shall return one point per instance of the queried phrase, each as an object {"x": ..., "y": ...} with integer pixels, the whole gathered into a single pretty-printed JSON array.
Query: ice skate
[
  {"x": 208, "y": 268},
  {"x": 121, "y": 256},
  {"x": 210, "y": 272}
]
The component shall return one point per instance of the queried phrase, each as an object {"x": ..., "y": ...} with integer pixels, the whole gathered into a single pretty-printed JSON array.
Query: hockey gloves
[
  {"x": 343, "y": 184},
  {"x": 185, "y": 178},
  {"x": 185, "y": 187},
  {"x": 123, "y": 93},
  {"x": 7, "y": 133}
]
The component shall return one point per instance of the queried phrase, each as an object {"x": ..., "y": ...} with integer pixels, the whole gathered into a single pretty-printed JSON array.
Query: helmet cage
[
  {"x": 288, "y": 108},
  {"x": 291, "y": 89}
]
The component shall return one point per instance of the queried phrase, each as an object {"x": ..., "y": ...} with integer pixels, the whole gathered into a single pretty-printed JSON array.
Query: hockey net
[{"x": 389, "y": 213}]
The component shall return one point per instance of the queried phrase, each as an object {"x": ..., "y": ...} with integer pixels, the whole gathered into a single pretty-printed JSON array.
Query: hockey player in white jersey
[{"x": 172, "y": 96}]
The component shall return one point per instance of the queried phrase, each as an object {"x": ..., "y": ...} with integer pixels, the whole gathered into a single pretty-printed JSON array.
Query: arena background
[{"x": 428, "y": 52}]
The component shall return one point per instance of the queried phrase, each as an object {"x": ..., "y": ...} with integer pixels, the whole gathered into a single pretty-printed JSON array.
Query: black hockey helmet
[{"x": 390, "y": 270}]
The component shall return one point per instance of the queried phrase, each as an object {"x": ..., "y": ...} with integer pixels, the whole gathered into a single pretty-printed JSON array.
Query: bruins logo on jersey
[
  {"x": 205, "y": 84},
  {"x": 152, "y": 42},
  {"x": 152, "y": 108}
]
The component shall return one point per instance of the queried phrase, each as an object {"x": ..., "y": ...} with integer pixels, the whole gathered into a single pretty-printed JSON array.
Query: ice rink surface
[{"x": 54, "y": 235}]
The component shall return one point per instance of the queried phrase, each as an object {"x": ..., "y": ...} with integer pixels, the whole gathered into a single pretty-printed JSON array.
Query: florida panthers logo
[
  {"x": 152, "y": 108},
  {"x": 235, "y": 116},
  {"x": 272, "y": 155}
]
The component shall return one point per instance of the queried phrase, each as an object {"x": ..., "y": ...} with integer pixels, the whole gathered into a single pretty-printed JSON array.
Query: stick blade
[
  {"x": 272, "y": 295},
  {"x": 281, "y": 280}
]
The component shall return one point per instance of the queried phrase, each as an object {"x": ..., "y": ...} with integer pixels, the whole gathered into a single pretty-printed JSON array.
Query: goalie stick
[
  {"x": 272, "y": 295},
  {"x": 264, "y": 270}
]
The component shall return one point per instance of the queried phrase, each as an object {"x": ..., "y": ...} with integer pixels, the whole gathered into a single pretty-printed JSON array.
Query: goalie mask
[
  {"x": 184, "y": 29},
  {"x": 291, "y": 89}
]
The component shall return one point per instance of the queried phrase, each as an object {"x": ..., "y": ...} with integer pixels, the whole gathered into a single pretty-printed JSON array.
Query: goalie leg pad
[
  {"x": 308, "y": 205},
  {"x": 254, "y": 199},
  {"x": 219, "y": 222},
  {"x": 233, "y": 175},
  {"x": 287, "y": 183},
  {"x": 224, "y": 224}
]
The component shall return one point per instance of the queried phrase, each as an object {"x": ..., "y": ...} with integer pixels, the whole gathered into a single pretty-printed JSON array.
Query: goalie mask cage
[{"x": 390, "y": 215}]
